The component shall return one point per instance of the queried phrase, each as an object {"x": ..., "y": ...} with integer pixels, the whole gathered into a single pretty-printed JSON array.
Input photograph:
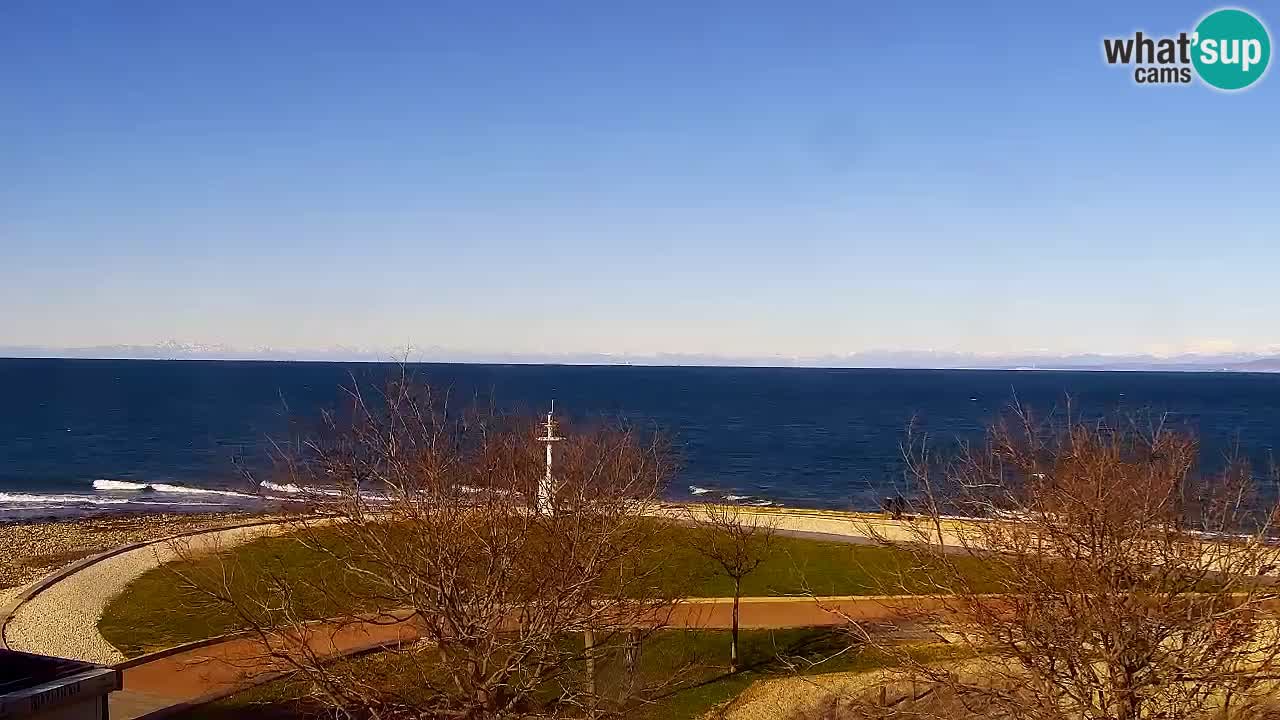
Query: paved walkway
[{"x": 163, "y": 683}]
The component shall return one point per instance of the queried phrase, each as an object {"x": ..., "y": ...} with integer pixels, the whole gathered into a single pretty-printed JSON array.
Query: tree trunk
[
  {"x": 1126, "y": 698},
  {"x": 632, "y": 658},
  {"x": 733, "y": 635},
  {"x": 589, "y": 643}
]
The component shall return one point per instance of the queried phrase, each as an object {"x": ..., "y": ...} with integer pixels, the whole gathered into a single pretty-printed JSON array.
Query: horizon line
[{"x": 1131, "y": 365}]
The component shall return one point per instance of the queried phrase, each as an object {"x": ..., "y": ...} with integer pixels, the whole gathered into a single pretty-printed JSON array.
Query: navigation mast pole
[{"x": 546, "y": 489}]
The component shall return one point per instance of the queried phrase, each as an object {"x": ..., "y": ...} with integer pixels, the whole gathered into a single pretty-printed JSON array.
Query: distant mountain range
[{"x": 1220, "y": 362}]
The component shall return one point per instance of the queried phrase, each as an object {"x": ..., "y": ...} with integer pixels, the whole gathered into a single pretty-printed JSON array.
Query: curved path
[{"x": 59, "y": 614}]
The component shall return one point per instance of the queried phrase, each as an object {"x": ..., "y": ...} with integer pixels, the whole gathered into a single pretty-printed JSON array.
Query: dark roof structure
[{"x": 33, "y": 684}]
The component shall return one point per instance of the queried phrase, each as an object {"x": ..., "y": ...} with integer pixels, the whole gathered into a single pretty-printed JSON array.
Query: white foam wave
[
  {"x": 469, "y": 490},
  {"x": 295, "y": 489},
  {"x": 308, "y": 491},
  {"x": 184, "y": 503},
  {"x": 63, "y": 500},
  {"x": 695, "y": 490},
  {"x": 117, "y": 485},
  {"x": 300, "y": 492},
  {"x": 39, "y": 499},
  {"x": 126, "y": 486},
  {"x": 736, "y": 498},
  {"x": 162, "y": 487}
]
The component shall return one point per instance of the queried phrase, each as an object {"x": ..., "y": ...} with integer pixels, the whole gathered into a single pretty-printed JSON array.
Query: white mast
[{"x": 546, "y": 488}]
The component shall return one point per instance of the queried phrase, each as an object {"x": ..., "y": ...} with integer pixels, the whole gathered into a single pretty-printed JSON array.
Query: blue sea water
[{"x": 84, "y": 436}]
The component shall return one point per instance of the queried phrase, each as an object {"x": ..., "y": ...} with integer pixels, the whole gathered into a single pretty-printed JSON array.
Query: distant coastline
[{"x": 1268, "y": 362}]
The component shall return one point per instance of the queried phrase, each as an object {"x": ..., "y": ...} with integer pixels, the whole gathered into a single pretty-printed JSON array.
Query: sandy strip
[{"x": 869, "y": 527}]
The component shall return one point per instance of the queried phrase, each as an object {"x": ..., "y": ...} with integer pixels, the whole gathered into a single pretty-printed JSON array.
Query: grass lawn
[
  {"x": 796, "y": 566},
  {"x": 161, "y": 610},
  {"x": 695, "y": 655}
]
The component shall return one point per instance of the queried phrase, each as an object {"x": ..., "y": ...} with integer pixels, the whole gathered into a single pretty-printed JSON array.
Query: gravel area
[
  {"x": 35, "y": 549},
  {"x": 63, "y": 619}
]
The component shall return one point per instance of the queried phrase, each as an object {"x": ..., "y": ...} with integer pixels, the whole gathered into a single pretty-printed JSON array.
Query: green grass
[
  {"x": 797, "y": 566},
  {"x": 696, "y": 657},
  {"x": 161, "y": 609}
]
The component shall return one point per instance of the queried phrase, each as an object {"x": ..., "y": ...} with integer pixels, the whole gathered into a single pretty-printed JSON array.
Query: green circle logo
[{"x": 1231, "y": 49}]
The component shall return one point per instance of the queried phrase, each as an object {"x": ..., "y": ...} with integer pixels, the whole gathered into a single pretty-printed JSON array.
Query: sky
[{"x": 717, "y": 178}]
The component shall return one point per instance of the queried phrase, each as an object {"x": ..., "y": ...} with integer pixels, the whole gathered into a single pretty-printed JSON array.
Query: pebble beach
[
  {"x": 62, "y": 619},
  {"x": 33, "y": 549}
]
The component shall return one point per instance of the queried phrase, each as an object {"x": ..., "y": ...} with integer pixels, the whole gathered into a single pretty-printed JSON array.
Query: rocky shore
[{"x": 31, "y": 550}]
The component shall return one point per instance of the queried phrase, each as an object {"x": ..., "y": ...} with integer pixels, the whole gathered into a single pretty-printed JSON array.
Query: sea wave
[
  {"x": 294, "y": 489},
  {"x": 748, "y": 500},
  {"x": 41, "y": 499},
  {"x": 64, "y": 500},
  {"x": 118, "y": 485},
  {"x": 127, "y": 486},
  {"x": 300, "y": 492},
  {"x": 472, "y": 490},
  {"x": 126, "y": 495}
]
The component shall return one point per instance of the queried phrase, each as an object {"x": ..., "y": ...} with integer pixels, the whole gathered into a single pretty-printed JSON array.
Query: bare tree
[
  {"x": 737, "y": 543},
  {"x": 437, "y": 547},
  {"x": 1121, "y": 582}
]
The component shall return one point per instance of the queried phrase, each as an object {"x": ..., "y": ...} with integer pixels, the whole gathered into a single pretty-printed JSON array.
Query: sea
[{"x": 87, "y": 437}]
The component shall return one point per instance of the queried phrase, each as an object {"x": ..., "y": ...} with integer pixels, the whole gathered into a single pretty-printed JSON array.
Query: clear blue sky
[{"x": 741, "y": 177}]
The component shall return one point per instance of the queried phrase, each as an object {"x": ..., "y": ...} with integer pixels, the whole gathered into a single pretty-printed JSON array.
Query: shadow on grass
[
  {"x": 764, "y": 654},
  {"x": 699, "y": 657}
]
